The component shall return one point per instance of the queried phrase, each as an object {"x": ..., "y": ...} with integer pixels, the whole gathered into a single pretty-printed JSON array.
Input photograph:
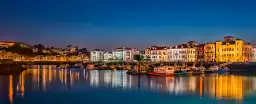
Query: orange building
[{"x": 209, "y": 52}]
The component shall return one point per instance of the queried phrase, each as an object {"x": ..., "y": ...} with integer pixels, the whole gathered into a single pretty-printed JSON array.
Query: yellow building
[
  {"x": 158, "y": 54},
  {"x": 233, "y": 50},
  {"x": 191, "y": 51},
  {"x": 191, "y": 54},
  {"x": 209, "y": 52}
]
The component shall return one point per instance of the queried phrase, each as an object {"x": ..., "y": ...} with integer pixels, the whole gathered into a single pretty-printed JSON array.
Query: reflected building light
[
  {"x": 84, "y": 74},
  {"x": 10, "y": 89},
  {"x": 78, "y": 76},
  {"x": 65, "y": 79},
  {"x": 170, "y": 85},
  {"x": 117, "y": 79},
  {"x": 107, "y": 77},
  {"x": 192, "y": 85},
  {"x": 71, "y": 78},
  {"x": 44, "y": 79},
  {"x": 22, "y": 83},
  {"x": 201, "y": 86},
  {"x": 38, "y": 78},
  {"x": 124, "y": 77},
  {"x": 50, "y": 74},
  {"x": 254, "y": 83},
  {"x": 226, "y": 87},
  {"x": 94, "y": 78},
  {"x": 180, "y": 86}
]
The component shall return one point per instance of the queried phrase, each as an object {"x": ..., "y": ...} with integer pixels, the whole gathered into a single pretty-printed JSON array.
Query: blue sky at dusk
[{"x": 133, "y": 23}]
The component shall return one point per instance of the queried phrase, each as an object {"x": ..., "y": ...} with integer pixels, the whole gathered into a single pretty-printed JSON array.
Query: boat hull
[{"x": 160, "y": 74}]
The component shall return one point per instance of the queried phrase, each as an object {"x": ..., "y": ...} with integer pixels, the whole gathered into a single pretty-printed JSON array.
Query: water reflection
[{"x": 50, "y": 79}]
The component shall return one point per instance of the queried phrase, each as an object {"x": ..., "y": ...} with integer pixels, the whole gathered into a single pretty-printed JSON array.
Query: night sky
[{"x": 133, "y": 23}]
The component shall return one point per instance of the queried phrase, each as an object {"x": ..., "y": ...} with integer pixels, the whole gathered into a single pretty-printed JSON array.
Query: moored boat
[
  {"x": 163, "y": 71},
  {"x": 212, "y": 69},
  {"x": 90, "y": 66}
]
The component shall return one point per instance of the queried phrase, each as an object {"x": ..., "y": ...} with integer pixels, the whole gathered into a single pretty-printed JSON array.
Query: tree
[
  {"x": 69, "y": 46},
  {"x": 40, "y": 47},
  {"x": 140, "y": 59},
  {"x": 16, "y": 48}
]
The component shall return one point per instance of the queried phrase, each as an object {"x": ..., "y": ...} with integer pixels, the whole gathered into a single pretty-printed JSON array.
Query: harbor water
[{"x": 50, "y": 85}]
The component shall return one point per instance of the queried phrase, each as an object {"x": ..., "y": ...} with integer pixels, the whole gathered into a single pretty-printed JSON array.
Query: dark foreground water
[{"x": 47, "y": 85}]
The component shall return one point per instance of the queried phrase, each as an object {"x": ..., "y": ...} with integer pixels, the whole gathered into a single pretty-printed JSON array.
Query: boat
[
  {"x": 90, "y": 66},
  {"x": 212, "y": 69},
  {"x": 64, "y": 66},
  {"x": 223, "y": 70},
  {"x": 199, "y": 70},
  {"x": 183, "y": 72},
  {"x": 163, "y": 71}
]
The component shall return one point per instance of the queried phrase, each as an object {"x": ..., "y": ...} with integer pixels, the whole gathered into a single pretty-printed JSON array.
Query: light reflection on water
[{"x": 49, "y": 79}]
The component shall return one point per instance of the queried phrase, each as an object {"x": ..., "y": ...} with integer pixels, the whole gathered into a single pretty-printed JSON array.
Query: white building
[
  {"x": 178, "y": 53},
  {"x": 108, "y": 57},
  {"x": 96, "y": 55},
  {"x": 124, "y": 54},
  {"x": 254, "y": 54}
]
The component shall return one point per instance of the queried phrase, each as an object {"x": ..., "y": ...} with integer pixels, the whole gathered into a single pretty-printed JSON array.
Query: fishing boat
[
  {"x": 163, "y": 71},
  {"x": 64, "y": 66},
  {"x": 212, "y": 69},
  {"x": 223, "y": 70},
  {"x": 199, "y": 70},
  {"x": 185, "y": 71}
]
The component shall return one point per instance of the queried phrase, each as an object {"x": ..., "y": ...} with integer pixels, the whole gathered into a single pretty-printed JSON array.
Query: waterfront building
[
  {"x": 200, "y": 53},
  {"x": 73, "y": 49},
  {"x": 178, "y": 53},
  {"x": 147, "y": 52},
  {"x": 209, "y": 52},
  {"x": 4, "y": 44},
  {"x": 96, "y": 55},
  {"x": 233, "y": 50},
  {"x": 191, "y": 51},
  {"x": 124, "y": 54},
  {"x": 158, "y": 53},
  {"x": 57, "y": 50},
  {"x": 254, "y": 54},
  {"x": 108, "y": 57}
]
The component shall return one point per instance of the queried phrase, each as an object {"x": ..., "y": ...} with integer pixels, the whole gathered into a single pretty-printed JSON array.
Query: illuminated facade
[
  {"x": 209, "y": 52},
  {"x": 124, "y": 54},
  {"x": 191, "y": 54},
  {"x": 4, "y": 44},
  {"x": 191, "y": 51},
  {"x": 147, "y": 52},
  {"x": 178, "y": 53},
  {"x": 200, "y": 53},
  {"x": 254, "y": 54},
  {"x": 233, "y": 50},
  {"x": 108, "y": 57},
  {"x": 96, "y": 55},
  {"x": 158, "y": 54}
]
